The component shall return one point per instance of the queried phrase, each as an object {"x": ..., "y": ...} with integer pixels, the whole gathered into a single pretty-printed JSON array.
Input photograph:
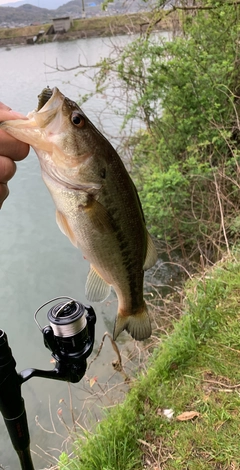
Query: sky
[
  {"x": 2, "y": 2},
  {"x": 8, "y": 1}
]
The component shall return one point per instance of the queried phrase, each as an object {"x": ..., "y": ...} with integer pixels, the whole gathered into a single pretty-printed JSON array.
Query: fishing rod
[{"x": 70, "y": 338}]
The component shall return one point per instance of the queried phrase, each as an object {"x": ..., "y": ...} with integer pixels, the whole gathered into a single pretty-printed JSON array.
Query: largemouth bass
[{"x": 97, "y": 205}]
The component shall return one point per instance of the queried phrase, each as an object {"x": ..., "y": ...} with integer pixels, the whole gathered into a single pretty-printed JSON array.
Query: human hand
[{"x": 11, "y": 150}]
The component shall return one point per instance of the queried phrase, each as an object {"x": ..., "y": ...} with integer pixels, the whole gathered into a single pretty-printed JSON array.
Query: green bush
[{"x": 186, "y": 163}]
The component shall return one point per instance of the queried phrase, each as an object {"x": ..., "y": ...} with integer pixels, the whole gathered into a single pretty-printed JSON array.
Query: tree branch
[
  {"x": 208, "y": 7},
  {"x": 191, "y": 8}
]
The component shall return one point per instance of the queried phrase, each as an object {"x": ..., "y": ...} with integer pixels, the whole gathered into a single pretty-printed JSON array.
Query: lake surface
[{"x": 37, "y": 261}]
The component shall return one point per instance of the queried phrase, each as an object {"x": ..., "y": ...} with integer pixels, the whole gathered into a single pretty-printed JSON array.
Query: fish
[{"x": 97, "y": 204}]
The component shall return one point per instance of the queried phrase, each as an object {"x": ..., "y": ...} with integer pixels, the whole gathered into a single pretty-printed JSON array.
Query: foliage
[{"x": 186, "y": 163}]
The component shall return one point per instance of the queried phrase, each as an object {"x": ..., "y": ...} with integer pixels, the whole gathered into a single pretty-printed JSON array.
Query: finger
[
  {"x": 9, "y": 146},
  {"x": 12, "y": 148},
  {"x": 4, "y": 191},
  {"x": 6, "y": 113},
  {"x": 7, "y": 169},
  {"x": 4, "y": 106}
]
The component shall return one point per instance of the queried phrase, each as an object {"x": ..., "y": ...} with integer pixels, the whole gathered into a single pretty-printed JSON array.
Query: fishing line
[
  {"x": 45, "y": 61},
  {"x": 63, "y": 323},
  {"x": 45, "y": 55}
]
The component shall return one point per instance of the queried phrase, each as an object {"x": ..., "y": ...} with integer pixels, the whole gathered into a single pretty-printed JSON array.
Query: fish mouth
[
  {"x": 44, "y": 96},
  {"x": 50, "y": 105},
  {"x": 49, "y": 100}
]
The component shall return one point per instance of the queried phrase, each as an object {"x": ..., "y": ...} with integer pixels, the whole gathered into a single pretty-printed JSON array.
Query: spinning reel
[{"x": 70, "y": 338}]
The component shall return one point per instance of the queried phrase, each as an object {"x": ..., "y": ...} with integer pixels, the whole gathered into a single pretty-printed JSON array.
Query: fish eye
[{"x": 77, "y": 119}]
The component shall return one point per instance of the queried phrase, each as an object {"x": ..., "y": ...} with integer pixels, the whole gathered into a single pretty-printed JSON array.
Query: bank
[
  {"x": 86, "y": 28},
  {"x": 183, "y": 413}
]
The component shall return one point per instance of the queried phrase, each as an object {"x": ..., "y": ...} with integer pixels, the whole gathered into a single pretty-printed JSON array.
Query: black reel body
[{"x": 70, "y": 336}]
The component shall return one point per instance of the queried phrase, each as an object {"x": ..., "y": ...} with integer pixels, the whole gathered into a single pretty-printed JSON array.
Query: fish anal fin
[
  {"x": 151, "y": 255},
  {"x": 138, "y": 325},
  {"x": 64, "y": 227},
  {"x": 96, "y": 289}
]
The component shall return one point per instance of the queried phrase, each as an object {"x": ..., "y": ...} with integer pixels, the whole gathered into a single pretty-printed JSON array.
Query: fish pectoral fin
[
  {"x": 96, "y": 289},
  {"x": 98, "y": 215},
  {"x": 151, "y": 255},
  {"x": 137, "y": 324},
  {"x": 64, "y": 227}
]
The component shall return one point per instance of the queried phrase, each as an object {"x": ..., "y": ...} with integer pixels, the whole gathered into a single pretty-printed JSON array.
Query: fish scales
[{"x": 97, "y": 204}]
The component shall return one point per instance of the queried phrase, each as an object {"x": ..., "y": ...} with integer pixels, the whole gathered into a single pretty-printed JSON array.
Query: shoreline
[{"x": 86, "y": 28}]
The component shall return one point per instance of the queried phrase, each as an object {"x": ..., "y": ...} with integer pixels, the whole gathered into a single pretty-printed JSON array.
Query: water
[{"x": 37, "y": 261}]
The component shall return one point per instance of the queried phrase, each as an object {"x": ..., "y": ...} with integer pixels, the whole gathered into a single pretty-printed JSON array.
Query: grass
[
  {"x": 23, "y": 31},
  {"x": 195, "y": 369},
  {"x": 108, "y": 21}
]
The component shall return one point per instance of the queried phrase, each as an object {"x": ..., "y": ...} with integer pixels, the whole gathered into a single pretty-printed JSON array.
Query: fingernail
[{"x": 1, "y": 203}]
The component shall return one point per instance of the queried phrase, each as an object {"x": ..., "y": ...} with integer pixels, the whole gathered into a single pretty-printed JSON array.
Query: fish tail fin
[{"x": 137, "y": 324}]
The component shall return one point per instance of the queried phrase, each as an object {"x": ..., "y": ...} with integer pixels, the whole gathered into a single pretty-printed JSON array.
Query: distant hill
[
  {"x": 29, "y": 13},
  {"x": 24, "y": 15}
]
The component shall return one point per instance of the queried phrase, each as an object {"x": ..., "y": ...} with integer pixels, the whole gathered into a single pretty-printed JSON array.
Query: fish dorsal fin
[
  {"x": 151, "y": 255},
  {"x": 96, "y": 289},
  {"x": 64, "y": 227}
]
